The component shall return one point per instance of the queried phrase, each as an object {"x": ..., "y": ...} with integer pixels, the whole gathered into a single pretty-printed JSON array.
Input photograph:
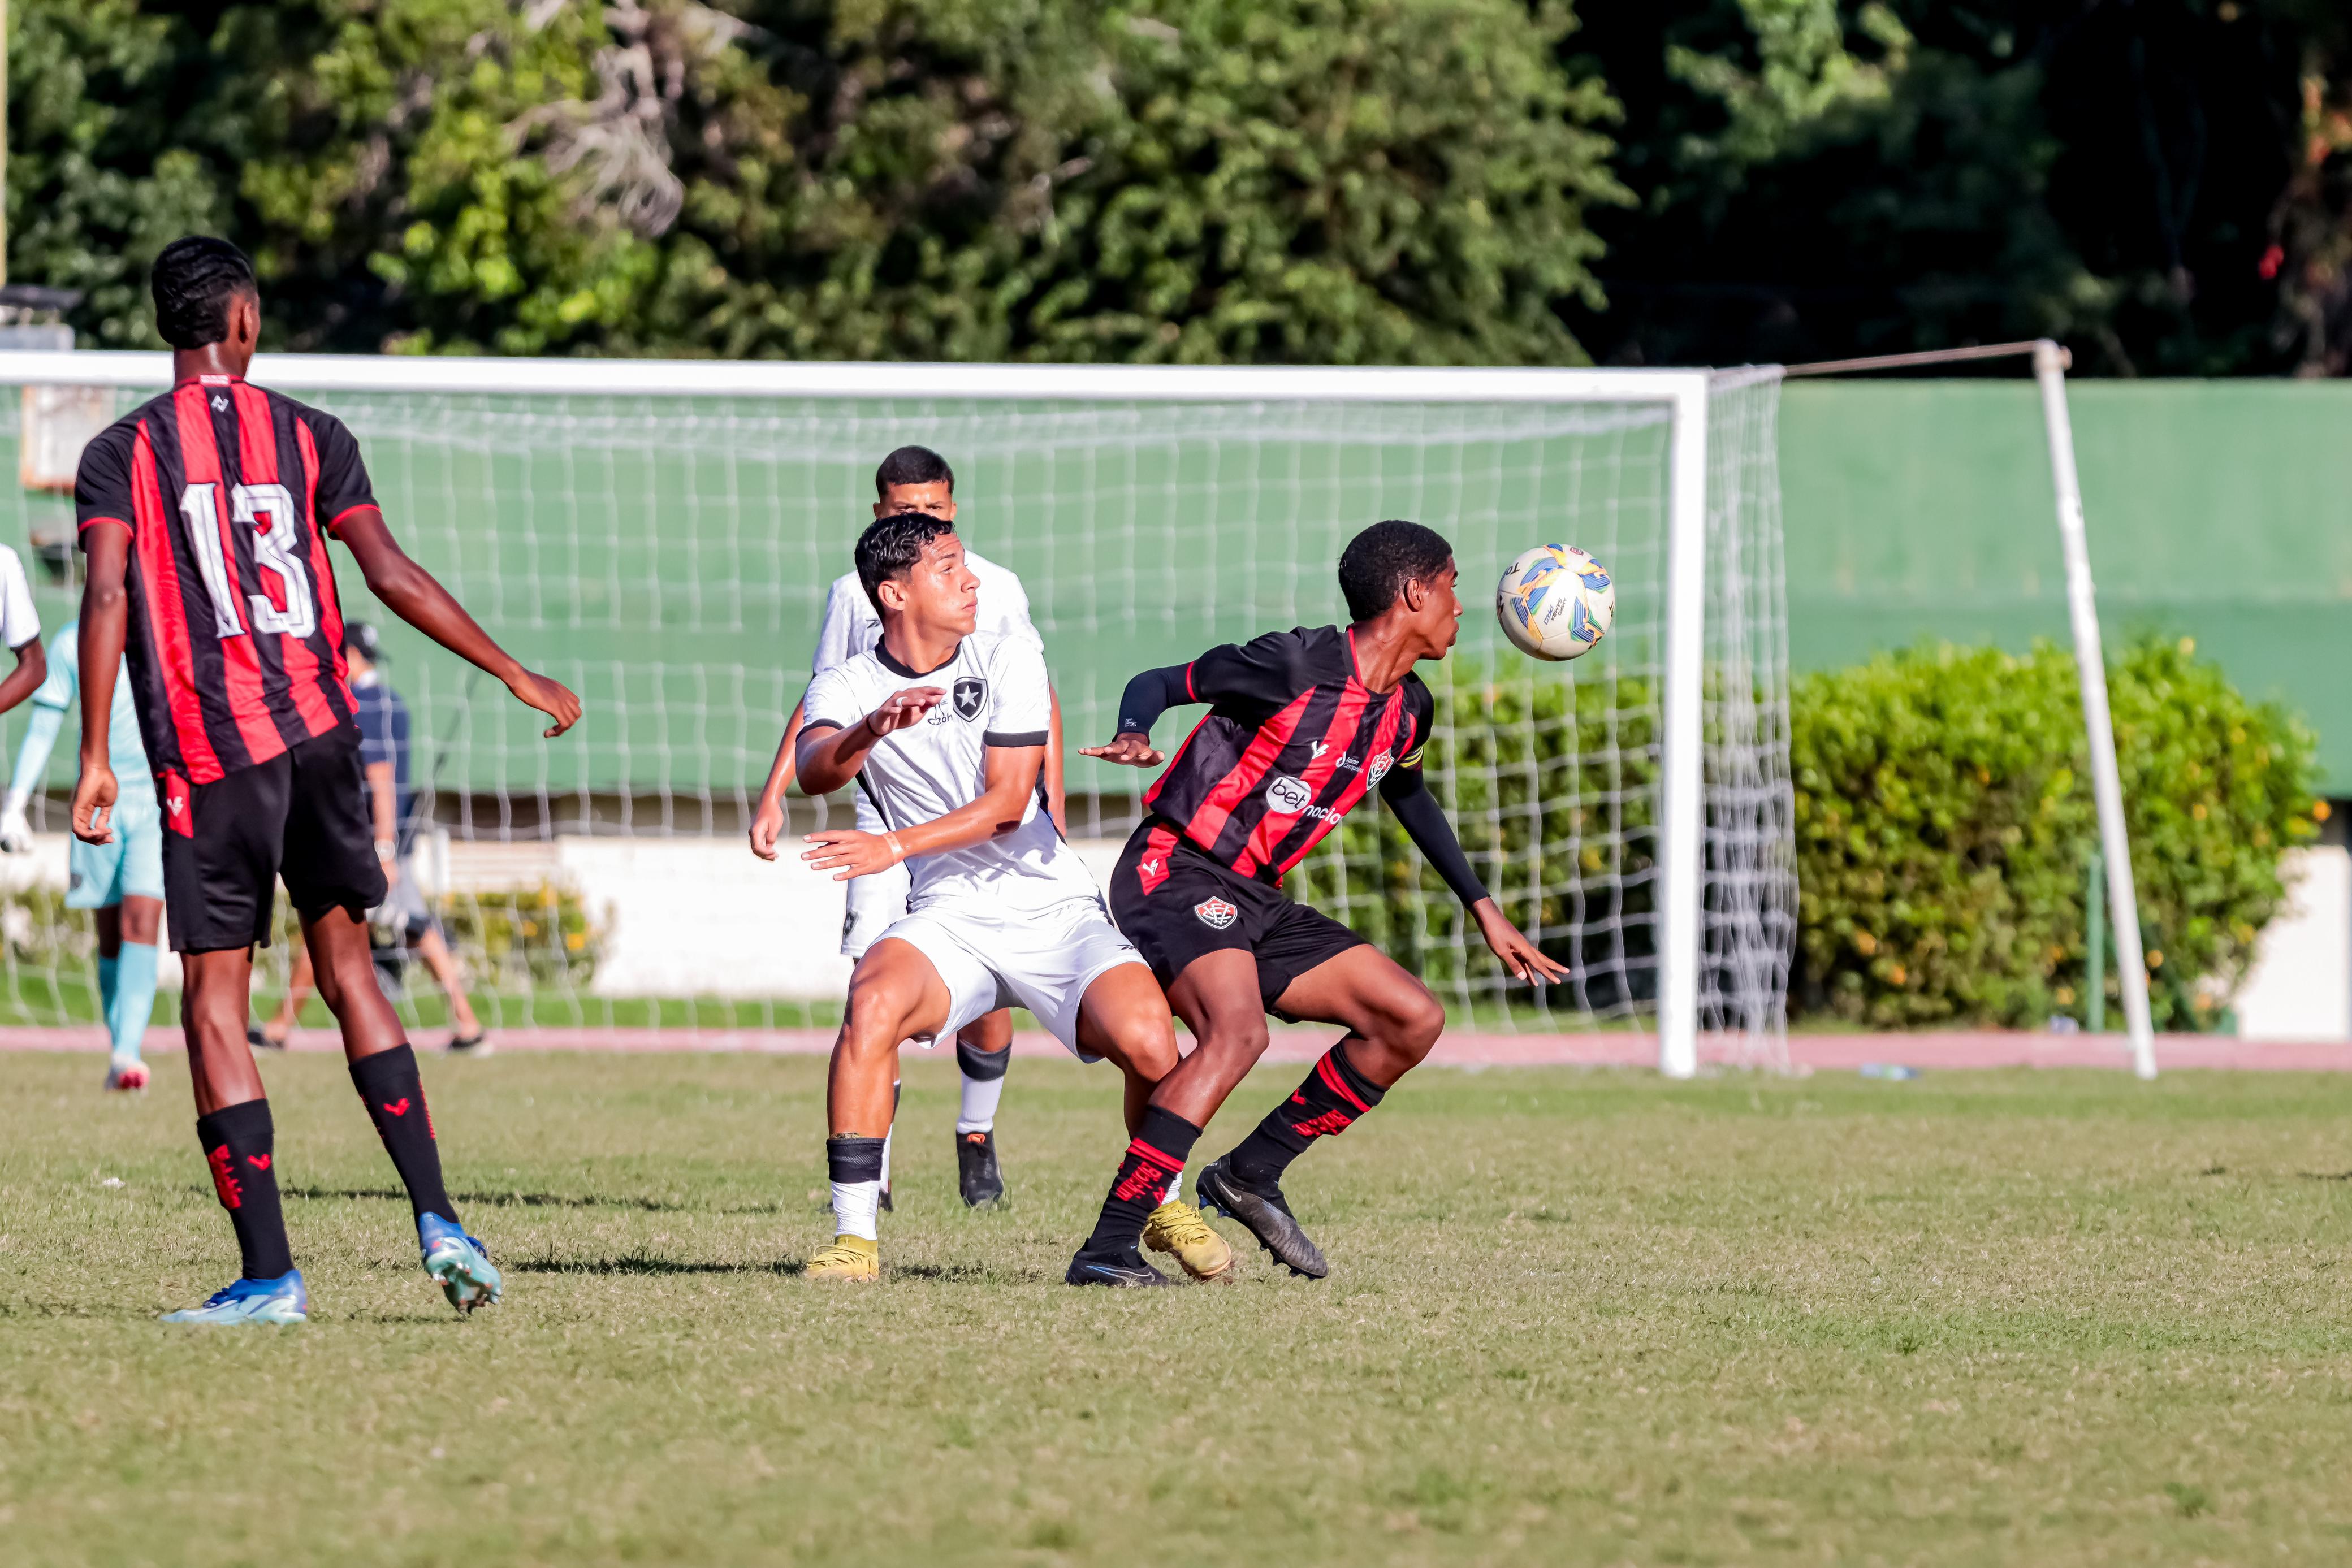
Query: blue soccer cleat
[
  {"x": 459, "y": 1262},
  {"x": 280, "y": 1300}
]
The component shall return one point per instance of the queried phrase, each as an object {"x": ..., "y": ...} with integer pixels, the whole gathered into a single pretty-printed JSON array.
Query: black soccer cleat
[
  {"x": 977, "y": 1173},
  {"x": 1124, "y": 1270},
  {"x": 1265, "y": 1215}
]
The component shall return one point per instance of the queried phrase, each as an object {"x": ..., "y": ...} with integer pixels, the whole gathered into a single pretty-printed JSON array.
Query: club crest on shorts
[
  {"x": 1289, "y": 795},
  {"x": 969, "y": 696},
  {"x": 1378, "y": 769},
  {"x": 1216, "y": 913}
]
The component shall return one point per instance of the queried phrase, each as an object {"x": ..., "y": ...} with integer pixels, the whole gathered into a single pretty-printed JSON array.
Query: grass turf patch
[{"x": 1573, "y": 1318}]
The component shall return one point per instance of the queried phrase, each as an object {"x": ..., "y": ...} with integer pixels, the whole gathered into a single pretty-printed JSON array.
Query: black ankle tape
[
  {"x": 850, "y": 1160},
  {"x": 983, "y": 1066}
]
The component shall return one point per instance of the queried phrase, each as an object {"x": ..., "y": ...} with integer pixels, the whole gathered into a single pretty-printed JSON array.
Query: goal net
[{"x": 662, "y": 538}]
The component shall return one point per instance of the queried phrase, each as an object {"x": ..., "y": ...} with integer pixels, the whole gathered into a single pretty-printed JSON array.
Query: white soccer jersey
[
  {"x": 997, "y": 695},
  {"x": 852, "y": 626}
]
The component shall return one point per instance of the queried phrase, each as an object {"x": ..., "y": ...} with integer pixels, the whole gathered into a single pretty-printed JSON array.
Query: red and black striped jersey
[
  {"x": 1293, "y": 741},
  {"x": 236, "y": 643}
]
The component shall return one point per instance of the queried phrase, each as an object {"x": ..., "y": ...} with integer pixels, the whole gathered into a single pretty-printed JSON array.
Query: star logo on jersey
[
  {"x": 1216, "y": 913},
  {"x": 969, "y": 696},
  {"x": 1379, "y": 770},
  {"x": 1289, "y": 795}
]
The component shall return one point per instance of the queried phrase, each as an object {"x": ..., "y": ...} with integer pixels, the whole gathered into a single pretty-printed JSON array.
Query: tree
[
  {"x": 1345, "y": 180},
  {"x": 1821, "y": 178}
]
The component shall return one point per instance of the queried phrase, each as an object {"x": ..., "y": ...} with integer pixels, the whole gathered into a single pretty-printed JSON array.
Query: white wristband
[{"x": 897, "y": 850}]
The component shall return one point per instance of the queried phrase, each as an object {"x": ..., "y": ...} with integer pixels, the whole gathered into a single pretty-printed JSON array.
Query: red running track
[{"x": 1807, "y": 1053}]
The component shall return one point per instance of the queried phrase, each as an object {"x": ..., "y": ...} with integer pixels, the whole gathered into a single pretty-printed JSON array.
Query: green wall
[{"x": 2219, "y": 510}]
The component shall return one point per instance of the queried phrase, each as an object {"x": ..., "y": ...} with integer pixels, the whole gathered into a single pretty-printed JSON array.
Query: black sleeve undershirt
[
  {"x": 1152, "y": 694},
  {"x": 1407, "y": 794}
]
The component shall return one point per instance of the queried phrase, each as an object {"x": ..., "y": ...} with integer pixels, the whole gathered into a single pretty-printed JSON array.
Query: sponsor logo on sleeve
[{"x": 1216, "y": 913}]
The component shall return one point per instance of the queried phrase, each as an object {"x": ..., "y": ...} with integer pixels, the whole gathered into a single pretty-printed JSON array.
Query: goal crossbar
[{"x": 1681, "y": 394}]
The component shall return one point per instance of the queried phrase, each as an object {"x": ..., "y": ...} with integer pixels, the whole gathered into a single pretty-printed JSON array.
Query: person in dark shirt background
[{"x": 391, "y": 806}]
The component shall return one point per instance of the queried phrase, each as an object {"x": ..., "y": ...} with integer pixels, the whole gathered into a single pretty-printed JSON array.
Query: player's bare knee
[
  {"x": 873, "y": 1018},
  {"x": 1150, "y": 1045},
  {"x": 1244, "y": 1037},
  {"x": 1416, "y": 1021}
]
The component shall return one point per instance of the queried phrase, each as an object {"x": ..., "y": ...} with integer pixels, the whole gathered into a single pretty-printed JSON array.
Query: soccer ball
[{"x": 1556, "y": 602}]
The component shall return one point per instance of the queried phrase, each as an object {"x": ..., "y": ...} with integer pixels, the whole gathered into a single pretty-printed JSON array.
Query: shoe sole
[
  {"x": 275, "y": 1316},
  {"x": 1275, "y": 1231},
  {"x": 1121, "y": 1281},
  {"x": 465, "y": 1277},
  {"x": 840, "y": 1277}
]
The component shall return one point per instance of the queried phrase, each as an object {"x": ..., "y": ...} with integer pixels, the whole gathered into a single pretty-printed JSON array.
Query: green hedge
[{"x": 1945, "y": 822}]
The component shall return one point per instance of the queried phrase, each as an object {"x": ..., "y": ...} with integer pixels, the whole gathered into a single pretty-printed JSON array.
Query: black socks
[
  {"x": 236, "y": 1143},
  {"x": 1330, "y": 1099},
  {"x": 387, "y": 1081},
  {"x": 1155, "y": 1158}
]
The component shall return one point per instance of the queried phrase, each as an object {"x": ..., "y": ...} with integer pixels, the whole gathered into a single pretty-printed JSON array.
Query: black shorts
[
  {"x": 1176, "y": 904},
  {"x": 301, "y": 815}
]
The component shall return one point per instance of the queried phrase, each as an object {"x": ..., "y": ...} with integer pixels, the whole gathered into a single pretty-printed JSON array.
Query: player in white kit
[
  {"x": 944, "y": 728},
  {"x": 917, "y": 479}
]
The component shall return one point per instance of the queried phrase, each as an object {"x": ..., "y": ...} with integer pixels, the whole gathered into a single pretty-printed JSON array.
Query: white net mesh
[{"x": 668, "y": 559}]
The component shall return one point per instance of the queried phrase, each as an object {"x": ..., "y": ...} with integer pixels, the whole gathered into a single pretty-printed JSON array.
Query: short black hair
[
  {"x": 912, "y": 465},
  {"x": 194, "y": 281},
  {"x": 890, "y": 547},
  {"x": 1378, "y": 562}
]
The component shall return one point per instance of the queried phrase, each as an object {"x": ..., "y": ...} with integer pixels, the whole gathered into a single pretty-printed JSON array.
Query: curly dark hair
[
  {"x": 912, "y": 465},
  {"x": 890, "y": 547},
  {"x": 194, "y": 281},
  {"x": 1378, "y": 562}
]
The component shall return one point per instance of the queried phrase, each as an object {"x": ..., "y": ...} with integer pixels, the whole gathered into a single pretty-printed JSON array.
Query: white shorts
[
  {"x": 876, "y": 902},
  {"x": 1043, "y": 962}
]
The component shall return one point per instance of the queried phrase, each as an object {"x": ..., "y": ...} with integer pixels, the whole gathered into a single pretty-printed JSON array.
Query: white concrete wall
[
  {"x": 691, "y": 916},
  {"x": 2301, "y": 985}
]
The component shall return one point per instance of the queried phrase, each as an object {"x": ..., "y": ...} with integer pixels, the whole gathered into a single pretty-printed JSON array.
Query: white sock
[
  {"x": 980, "y": 1096},
  {"x": 855, "y": 1206},
  {"x": 1175, "y": 1188}
]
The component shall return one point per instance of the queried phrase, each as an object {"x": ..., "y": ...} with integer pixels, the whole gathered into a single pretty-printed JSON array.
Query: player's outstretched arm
[
  {"x": 411, "y": 593},
  {"x": 1417, "y": 811},
  {"x": 1010, "y": 783},
  {"x": 105, "y": 624},
  {"x": 1147, "y": 697},
  {"x": 768, "y": 816}
]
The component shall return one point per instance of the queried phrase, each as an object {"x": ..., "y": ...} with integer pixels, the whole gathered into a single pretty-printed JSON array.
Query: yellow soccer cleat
[
  {"x": 1178, "y": 1229},
  {"x": 849, "y": 1258}
]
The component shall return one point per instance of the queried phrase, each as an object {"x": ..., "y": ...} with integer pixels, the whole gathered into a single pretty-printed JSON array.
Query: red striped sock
[
  {"x": 1154, "y": 1158},
  {"x": 1330, "y": 1099}
]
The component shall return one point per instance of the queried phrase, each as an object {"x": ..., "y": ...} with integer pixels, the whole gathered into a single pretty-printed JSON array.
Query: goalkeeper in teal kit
[{"x": 121, "y": 881}]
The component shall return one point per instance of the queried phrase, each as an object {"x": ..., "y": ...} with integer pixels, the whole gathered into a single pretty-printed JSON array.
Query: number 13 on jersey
[{"x": 275, "y": 550}]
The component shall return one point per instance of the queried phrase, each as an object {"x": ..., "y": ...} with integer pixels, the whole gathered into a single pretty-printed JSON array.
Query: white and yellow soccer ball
[{"x": 1556, "y": 602}]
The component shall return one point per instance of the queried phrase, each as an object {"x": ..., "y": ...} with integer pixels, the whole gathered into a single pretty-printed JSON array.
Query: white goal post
[{"x": 1711, "y": 741}]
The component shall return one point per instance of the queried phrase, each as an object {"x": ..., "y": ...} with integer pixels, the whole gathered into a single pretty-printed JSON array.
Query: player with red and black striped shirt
[
  {"x": 1302, "y": 725},
  {"x": 205, "y": 514}
]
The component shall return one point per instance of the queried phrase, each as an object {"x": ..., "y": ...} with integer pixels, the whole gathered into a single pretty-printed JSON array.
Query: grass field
[{"x": 1573, "y": 1318}]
